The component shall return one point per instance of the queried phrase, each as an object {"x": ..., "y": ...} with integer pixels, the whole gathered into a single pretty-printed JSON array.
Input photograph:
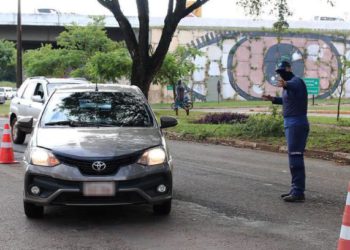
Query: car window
[
  {"x": 29, "y": 91},
  {"x": 2, "y": 90},
  {"x": 22, "y": 88},
  {"x": 120, "y": 109},
  {"x": 39, "y": 90}
]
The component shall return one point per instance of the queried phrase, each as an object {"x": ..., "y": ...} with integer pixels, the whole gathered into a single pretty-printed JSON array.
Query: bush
[
  {"x": 263, "y": 125},
  {"x": 223, "y": 118}
]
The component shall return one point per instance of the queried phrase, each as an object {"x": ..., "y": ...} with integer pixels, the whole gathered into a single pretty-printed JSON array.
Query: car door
[{"x": 24, "y": 100}]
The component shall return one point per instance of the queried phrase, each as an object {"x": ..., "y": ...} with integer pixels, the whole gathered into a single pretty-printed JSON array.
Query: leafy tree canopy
[
  {"x": 177, "y": 65},
  {"x": 90, "y": 39},
  {"x": 7, "y": 60}
]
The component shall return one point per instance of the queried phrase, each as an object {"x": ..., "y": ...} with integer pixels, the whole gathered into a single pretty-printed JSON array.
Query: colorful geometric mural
[{"x": 248, "y": 60}]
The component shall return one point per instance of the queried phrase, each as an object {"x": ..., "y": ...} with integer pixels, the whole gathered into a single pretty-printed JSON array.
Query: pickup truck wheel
[{"x": 18, "y": 136}]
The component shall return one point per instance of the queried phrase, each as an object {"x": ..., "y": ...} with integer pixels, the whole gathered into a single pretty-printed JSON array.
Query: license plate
[{"x": 99, "y": 188}]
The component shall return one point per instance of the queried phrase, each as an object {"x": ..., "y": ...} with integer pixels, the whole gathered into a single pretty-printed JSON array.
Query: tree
[
  {"x": 109, "y": 66},
  {"x": 83, "y": 52},
  {"x": 47, "y": 61},
  {"x": 7, "y": 60},
  {"x": 345, "y": 77},
  {"x": 90, "y": 39},
  {"x": 146, "y": 64},
  {"x": 176, "y": 65}
]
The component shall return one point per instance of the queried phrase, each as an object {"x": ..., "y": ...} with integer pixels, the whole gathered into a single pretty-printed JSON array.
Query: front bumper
[{"x": 57, "y": 190}]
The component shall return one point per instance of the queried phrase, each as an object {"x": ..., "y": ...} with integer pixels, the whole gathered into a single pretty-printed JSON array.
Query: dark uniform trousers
[{"x": 296, "y": 140}]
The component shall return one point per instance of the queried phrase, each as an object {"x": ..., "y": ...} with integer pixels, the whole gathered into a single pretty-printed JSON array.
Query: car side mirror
[
  {"x": 37, "y": 98},
  {"x": 167, "y": 122},
  {"x": 25, "y": 124}
]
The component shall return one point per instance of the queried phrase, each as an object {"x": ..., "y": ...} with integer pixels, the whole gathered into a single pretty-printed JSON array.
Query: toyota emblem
[{"x": 99, "y": 166}]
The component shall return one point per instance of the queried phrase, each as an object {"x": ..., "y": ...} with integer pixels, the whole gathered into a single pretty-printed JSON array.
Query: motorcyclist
[{"x": 181, "y": 98}]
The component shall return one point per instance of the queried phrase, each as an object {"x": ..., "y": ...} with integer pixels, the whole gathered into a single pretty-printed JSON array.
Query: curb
[{"x": 339, "y": 157}]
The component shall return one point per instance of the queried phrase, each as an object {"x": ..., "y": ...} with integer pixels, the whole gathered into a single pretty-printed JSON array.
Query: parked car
[
  {"x": 97, "y": 147},
  {"x": 2, "y": 96},
  {"x": 8, "y": 93},
  {"x": 30, "y": 99}
]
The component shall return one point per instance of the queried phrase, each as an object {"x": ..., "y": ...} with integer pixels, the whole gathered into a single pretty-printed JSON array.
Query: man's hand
[
  {"x": 268, "y": 98},
  {"x": 282, "y": 83}
]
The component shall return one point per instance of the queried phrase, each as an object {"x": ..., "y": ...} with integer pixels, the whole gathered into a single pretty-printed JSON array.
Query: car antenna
[{"x": 96, "y": 89}]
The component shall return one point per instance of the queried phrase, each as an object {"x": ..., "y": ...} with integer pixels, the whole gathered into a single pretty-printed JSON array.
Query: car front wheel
[
  {"x": 33, "y": 211},
  {"x": 163, "y": 208},
  {"x": 18, "y": 136}
]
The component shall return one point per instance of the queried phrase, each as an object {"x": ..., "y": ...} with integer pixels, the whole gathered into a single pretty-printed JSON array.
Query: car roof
[
  {"x": 103, "y": 87},
  {"x": 67, "y": 80},
  {"x": 60, "y": 80}
]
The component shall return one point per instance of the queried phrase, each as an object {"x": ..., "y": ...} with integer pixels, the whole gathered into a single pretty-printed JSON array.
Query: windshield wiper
[
  {"x": 68, "y": 123},
  {"x": 79, "y": 124},
  {"x": 96, "y": 124}
]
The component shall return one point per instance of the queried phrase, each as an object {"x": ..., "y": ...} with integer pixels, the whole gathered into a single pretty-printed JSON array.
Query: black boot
[
  {"x": 294, "y": 198},
  {"x": 284, "y": 195}
]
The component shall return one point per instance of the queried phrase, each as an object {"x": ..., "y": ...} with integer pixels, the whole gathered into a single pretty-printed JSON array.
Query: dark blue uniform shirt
[{"x": 294, "y": 101}]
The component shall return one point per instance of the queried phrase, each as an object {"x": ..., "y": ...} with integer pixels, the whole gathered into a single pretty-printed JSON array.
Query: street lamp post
[{"x": 19, "y": 71}]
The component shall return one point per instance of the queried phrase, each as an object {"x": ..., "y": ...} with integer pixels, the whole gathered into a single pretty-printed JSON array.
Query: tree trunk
[{"x": 140, "y": 77}]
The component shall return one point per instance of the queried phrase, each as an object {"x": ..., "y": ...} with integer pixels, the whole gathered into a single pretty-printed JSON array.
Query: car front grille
[
  {"x": 79, "y": 199},
  {"x": 85, "y": 165}
]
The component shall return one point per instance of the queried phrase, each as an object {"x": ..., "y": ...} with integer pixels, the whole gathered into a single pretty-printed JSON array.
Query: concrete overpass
[{"x": 44, "y": 28}]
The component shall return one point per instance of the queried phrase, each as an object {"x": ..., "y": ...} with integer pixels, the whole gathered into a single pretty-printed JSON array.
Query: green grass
[
  {"x": 7, "y": 84},
  {"x": 344, "y": 122},
  {"x": 5, "y": 108},
  {"x": 321, "y": 137}
]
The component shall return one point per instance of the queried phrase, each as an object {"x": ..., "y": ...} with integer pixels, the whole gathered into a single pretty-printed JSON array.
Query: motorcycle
[{"x": 185, "y": 104}]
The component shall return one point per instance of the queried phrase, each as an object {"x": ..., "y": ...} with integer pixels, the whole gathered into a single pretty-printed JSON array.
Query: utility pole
[{"x": 19, "y": 77}]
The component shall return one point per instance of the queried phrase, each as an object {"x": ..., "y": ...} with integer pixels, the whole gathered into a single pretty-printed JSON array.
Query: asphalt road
[{"x": 225, "y": 198}]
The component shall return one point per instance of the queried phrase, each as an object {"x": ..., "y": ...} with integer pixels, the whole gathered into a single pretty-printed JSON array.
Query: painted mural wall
[{"x": 244, "y": 62}]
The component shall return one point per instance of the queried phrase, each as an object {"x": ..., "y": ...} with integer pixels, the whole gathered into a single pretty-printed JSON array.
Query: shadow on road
[{"x": 85, "y": 217}]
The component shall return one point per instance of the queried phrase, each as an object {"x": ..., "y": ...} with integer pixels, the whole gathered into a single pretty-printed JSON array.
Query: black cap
[{"x": 282, "y": 66}]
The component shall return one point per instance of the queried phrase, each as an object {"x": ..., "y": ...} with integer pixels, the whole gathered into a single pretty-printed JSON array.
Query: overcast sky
[{"x": 302, "y": 9}]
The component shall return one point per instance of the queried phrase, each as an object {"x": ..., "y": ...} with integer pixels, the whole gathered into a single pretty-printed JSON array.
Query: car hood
[{"x": 98, "y": 142}]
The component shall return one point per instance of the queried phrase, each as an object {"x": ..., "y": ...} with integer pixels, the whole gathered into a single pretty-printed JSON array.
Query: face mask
[{"x": 285, "y": 75}]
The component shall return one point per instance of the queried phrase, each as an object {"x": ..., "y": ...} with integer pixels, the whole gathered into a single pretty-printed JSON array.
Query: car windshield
[
  {"x": 52, "y": 86},
  {"x": 86, "y": 109}
]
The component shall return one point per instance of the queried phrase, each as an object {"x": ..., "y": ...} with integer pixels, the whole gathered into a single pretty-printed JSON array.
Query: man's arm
[
  {"x": 277, "y": 100},
  {"x": 274, "y": 100}
]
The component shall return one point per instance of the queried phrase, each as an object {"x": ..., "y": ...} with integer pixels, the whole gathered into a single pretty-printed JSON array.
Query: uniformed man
[{"x": 294, "y": 100}]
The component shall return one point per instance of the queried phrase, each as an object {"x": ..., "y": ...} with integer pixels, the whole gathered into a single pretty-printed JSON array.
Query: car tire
[
  {"x": 32, "y": 210},
  {"x": 189, "y": 105},
  {"x": 163, "y": 208},
  {"x": 173, "y": 106},
  {"x": 18, "y": 136}
]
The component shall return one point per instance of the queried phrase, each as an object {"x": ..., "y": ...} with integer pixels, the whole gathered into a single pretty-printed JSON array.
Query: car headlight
[
  {"x": 153, "y": 157},
  {"x": 43, "y": 157}
]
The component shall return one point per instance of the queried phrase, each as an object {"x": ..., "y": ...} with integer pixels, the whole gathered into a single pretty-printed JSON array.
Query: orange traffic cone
[
  {"x": 6, "y": 151},
  {"x": 344, "y": 239}
]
